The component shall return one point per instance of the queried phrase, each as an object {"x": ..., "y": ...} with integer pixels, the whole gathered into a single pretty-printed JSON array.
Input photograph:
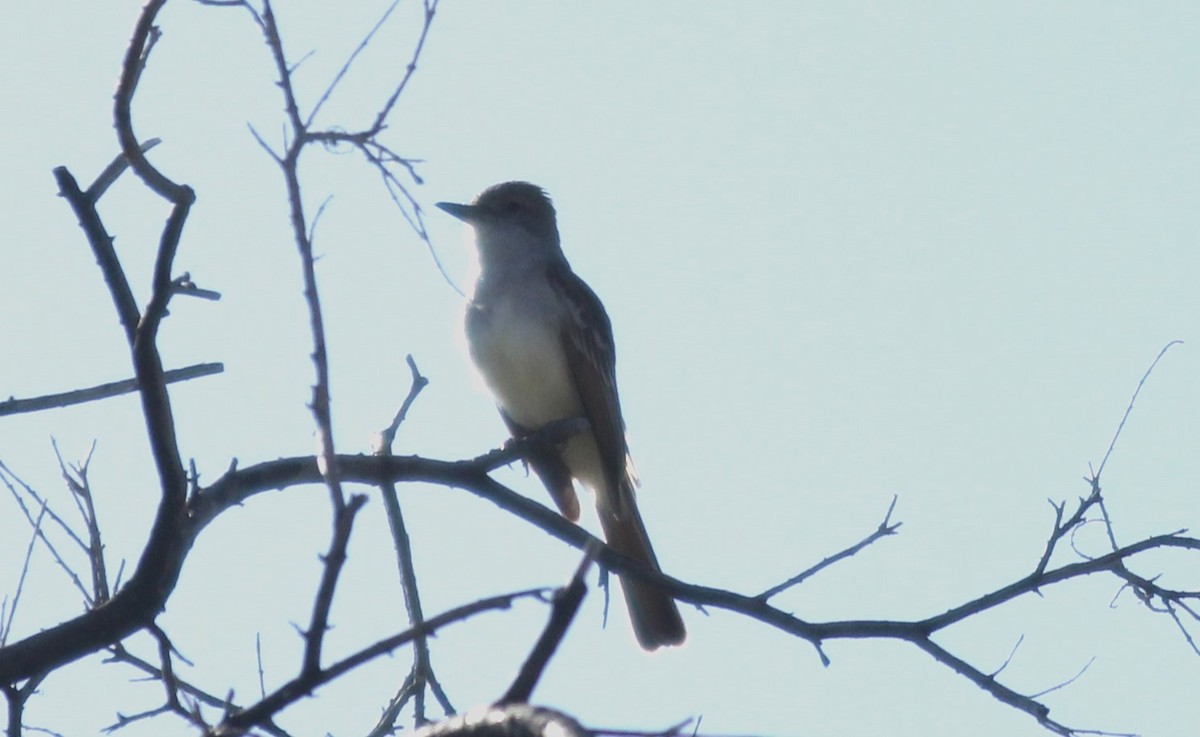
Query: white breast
[{"x": 516, "y": 344}]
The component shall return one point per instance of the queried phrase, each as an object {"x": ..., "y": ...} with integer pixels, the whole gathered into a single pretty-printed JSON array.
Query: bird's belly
[{"x": 523, "y": 363}]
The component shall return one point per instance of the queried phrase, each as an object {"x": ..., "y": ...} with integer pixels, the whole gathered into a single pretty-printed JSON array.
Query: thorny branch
[
  {"x": 397, "y": 172},
  {"x": 421, "y": 674},
  {"x": 565, "y": 606},
  {"x": 135, "y": 606},
  {"x": 14, "y": 406},
  {"x": 76, "y": 476},
  {"x": 304, "y": 684},
  {"x": 886, "y": 528},
  {"x": 180, "y": 518},
  {"x": 300, "y": 136}
]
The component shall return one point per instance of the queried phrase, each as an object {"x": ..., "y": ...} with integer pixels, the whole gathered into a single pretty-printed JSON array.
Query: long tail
[{"x": 654, "y": 615}]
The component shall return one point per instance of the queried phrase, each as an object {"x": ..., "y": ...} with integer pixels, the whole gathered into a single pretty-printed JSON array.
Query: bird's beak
[{"x": 465, "y": 213}]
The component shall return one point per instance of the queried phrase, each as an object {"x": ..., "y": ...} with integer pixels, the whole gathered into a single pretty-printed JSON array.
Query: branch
[
  {"x": 421, "y": 674},
  {"x": 886, "y": 528},
  {"x": 135, "y": 606},
  {"x": 101, "y": 242},
  {"x": 335, "y": 559},
  {"x": 114, "y": 170},
  {"x": 472, "y": 476},
  {"x": 1133, "y": 400},
  {"x": 8, "y": 477},
  {"x": 306, "y": 683},
  {"x": 514, "y": 720},
  {"x": 321, "y": 405},
  {"x": 14, "y": 406},
  {"x": 122, "y": 655},
  {"x": 566, "y": 606},
  {"x": 7, "y": 623},
  {"x": 81, "y": 492}
]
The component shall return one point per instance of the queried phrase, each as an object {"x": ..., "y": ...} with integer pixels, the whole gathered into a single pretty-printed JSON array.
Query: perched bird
[{"x": 544, "y": 345}]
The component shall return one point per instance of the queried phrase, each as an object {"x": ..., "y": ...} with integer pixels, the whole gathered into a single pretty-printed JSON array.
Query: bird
[{"x": 543, "y": 343}]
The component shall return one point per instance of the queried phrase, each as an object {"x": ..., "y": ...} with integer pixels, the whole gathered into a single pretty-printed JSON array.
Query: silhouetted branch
[
  {"x": 101, "y": 242},
  {"x": 181, "y": 516},
  {"x": 308, "y": 682},
  {"x": 119, "y": 654},
  {"x": 6, "y": 617},
  {"x": 8, "y": 478},
  {"x": 314, "y": 636},
  {"x": 76, "y": 477},
  {"x": 422, "y": 673},
  {"x": 473, "y": 477},
  {"x": 562, "y": 613},
  {"x": 320, "y": 406},
  {"x": 134, "y": 606},
  {"x": 886, "y": 527},
  {"x": 514, "y": 720},
  {"x": 1129, "y": 407},
  {"x": 102, "y": 391},
  {"x": 114, "y": 170}
]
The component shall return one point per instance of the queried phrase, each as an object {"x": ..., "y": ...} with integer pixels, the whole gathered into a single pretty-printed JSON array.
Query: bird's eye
[{"x": 512, "y": 206}]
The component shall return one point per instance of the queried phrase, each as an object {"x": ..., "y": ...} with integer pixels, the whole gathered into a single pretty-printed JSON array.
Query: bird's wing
[{"x": 591, "y": 359}]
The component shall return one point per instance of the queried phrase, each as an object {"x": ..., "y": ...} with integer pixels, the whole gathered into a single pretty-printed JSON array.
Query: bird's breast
[{"x": 517, "y": 347}]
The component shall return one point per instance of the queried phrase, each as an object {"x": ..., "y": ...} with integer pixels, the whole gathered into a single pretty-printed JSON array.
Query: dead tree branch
[
  {"x": 422, "y": 674},
  {"x": 562, "y": 613},
  {"x": 307, "y": 682}
]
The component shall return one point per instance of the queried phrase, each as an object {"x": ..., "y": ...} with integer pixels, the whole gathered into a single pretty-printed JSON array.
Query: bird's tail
[{"x": 655, "y": 617}]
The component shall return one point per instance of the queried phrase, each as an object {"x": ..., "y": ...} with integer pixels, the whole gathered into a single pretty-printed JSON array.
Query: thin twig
[
  {"x": 114, "y": 170},
  {"x": 262, "y": 683},
  {"x": 1011, "y": 654},
  {"x": 6, "y": 626},
  {"x": 8, "y": 477},
  {"x": 306, "y": 683},
  {"x": 102, "y": 391},
  {"x": 120, "y": 654},
  {"x": 1129, "y": 408},
  {"x": 1065, "y": 683},
  {"x": 417, "y": 383},
  {"x": 886, "y": 528},
  {"x": 422, "y": 673},
  {"x": 337, "y": 79},
  {"x": 81, "y": 492}
]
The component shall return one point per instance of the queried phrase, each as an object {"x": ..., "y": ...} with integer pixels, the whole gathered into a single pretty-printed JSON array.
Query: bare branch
[
  {"x": 422, "y": 673},
  {"x": 126, "y": 720},
  {"x": 120, "y": 654},
  {"x": 1065, "y": 683},
  {"x": 114, "y": 170},
  {"x": 337, "y": 79},
  {"x": 381, "y": 118},
  {"x": 102, "y": 391},
  {"x": 306, "y": 683},
  {"x": 1132, "y": 401},
  {"x": 321, "y": 404},
  {"x": 7, "y": 476},
  {"x": 885, "y": 528},
  {"x": 102, "y": 247},
  {"x": 6, "y": 626},
  {"x": 1011, "y": 654},
  {"x": 473, "y": 477},
  {"x": 335, "y": 559},
  {"x": 418, "y": 382},
  {"x": 513, "y": 720},
  {"x": 134, "y": 606},
  {"x": 566, "y": 606}
]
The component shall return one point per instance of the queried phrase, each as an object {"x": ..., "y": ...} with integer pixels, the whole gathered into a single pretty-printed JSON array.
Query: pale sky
[{"x": 849, "y": 251}]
